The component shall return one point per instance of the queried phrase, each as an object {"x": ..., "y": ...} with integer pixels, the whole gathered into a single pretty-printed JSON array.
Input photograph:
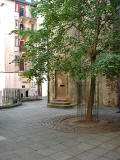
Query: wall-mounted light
[{"x": 2, "y": 4}]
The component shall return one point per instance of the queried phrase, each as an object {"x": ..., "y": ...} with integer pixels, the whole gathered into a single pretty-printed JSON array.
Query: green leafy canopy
[{"x": 72, "y": 32}]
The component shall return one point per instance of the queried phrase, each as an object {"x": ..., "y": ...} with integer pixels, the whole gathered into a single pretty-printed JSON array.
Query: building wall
[
  {"x": 3, "y": 9},
  {"x": 70, "y": 87},
  {"x": 108, "y": 91},
  {"x": 9, "y": 51}
]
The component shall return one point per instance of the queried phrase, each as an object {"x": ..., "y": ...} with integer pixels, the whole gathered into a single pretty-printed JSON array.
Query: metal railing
[
  {"x": 83, "y": 96},
  {"x": 9, "y": 96}
]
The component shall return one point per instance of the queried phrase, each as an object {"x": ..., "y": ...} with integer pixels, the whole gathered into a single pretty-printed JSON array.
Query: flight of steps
[{"x": 61, "y": 103}]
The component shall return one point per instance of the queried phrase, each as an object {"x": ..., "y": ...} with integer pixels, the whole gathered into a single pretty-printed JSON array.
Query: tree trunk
[
  {"x": 93, "y": 59},
  {"x": 91, "y": 95},
  {"x": 91, "y": 100}
]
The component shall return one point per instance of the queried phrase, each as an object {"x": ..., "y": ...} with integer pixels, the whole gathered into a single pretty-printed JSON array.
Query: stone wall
[{"x": 108, "y": 91}]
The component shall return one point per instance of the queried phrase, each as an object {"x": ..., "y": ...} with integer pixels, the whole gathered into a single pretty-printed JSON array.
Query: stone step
[
  {"x": 60, "y": 102},
  {"x": 53, "y": 105}
]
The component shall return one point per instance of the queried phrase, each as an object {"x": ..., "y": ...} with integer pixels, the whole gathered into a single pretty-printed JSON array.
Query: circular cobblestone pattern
[{"x": 71, "y": 124}]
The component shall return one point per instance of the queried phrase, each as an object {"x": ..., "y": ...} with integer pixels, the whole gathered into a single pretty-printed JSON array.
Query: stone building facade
[{"x": 62, "y": 88}]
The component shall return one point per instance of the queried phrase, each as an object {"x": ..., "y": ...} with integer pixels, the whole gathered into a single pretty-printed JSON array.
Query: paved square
[{"x": 22, "y": 137}]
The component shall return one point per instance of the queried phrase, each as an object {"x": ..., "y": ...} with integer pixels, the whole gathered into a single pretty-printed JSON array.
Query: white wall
[
  {"x": 45, "y": 83},
  {"x": 2, "y": 45},
  {"x": 45, "y": 88},
  {"x": 8, "y": 49}
]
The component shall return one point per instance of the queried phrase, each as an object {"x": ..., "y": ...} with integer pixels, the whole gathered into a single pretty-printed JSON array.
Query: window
[
  {"x": 16, "y": 42},
  {"x": 16, "y": 60},
  {"x": 23, "y": 86},
  {"x": 21, "y": 65},
  {"x": 22, "y": 11},
  {"x": 16, "y": 23},
  {"x": 32, "y": 27},
  {"x": 21, "y": 26},
  {"x": 16, "y": 8},
  {"x": 21, "y": 44}
]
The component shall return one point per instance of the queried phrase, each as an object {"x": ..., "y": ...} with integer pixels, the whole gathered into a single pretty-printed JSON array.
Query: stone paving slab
[{"x": 22, "y": 137}]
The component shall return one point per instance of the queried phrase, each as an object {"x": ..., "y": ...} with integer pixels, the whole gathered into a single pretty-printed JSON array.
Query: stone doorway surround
[
  {"x": 62, "y": 91},
  {"x": 60, "y": 85}
]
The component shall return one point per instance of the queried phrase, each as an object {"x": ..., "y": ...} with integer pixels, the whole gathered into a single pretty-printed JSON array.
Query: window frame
[
  {"x": 16, "y": 7},
  {"x": 32, "y": 27},
  {"x": 16, "y": 41},
  {"x": 20, "y": 44},
  {"x": 22, "y": 65},
  {"x": 16, "y": 22}
]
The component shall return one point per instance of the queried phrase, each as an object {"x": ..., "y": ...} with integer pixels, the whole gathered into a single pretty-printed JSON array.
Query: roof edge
[{"x": 25, "y": 2}]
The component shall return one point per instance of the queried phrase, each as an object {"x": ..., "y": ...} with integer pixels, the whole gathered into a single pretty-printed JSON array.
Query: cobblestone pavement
[
  {"x": 73, "y": 124},
  {"x": 22, "y": 137}
]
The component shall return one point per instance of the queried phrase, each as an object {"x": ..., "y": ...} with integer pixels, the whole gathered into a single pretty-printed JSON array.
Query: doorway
[
  {"x": 60, "y": 85},
  {"x": 27, "y": 93}
]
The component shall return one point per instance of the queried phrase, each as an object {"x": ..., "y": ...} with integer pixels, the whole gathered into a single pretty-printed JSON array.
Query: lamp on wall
[{"x": 2, "y": 4}]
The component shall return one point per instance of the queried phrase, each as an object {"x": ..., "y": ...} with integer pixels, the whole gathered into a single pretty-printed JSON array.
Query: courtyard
[{"x": 25, "y": 134}]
